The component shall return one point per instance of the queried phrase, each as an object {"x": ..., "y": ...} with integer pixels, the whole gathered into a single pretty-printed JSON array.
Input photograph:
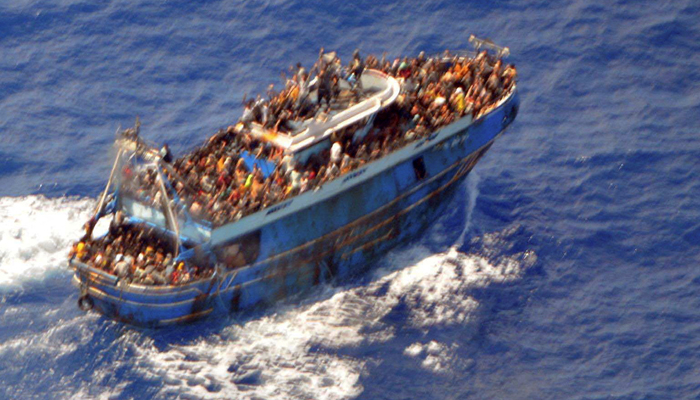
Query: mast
[
  {"x": 100, "y": 204},
  {"x": 168, "y": 210}
]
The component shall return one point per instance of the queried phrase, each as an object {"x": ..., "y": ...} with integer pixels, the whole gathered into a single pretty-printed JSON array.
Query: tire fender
[{"x": 85, "y": 303}]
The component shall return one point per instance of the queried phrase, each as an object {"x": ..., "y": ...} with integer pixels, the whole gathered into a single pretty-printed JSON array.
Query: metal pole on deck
[
  {"x": 100, "y": 204},
  {"x": 172, "y": 221}
]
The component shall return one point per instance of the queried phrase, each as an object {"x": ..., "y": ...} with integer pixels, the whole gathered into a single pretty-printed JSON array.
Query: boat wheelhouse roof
[{"x": 377, "y": 91}]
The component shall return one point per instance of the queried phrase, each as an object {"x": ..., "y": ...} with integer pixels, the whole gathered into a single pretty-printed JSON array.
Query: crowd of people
[
  {"x": 217, "y": 185},
  {"x": 294, "y": 102},
  {"x": 135, "y": 253},
  {"x": 214, "y": 183}
]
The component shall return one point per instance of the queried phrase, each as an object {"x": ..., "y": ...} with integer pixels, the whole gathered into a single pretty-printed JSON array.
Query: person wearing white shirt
[{"x": 336, "y": 152}]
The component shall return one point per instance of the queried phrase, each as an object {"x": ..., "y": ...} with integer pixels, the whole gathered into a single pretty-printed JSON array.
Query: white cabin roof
[{"x": 384, "y": 90}]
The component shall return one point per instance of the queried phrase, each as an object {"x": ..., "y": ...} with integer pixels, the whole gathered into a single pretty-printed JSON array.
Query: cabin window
[{"x": 419, "y": 168}]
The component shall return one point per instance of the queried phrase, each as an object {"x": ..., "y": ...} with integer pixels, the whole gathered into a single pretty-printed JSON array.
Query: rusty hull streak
[
  {"x": 363, "y": 247},
  {"x": 359, "y": 221},
  {"x": 468, "y": 164},
  {"x": 185, "y": 318}
]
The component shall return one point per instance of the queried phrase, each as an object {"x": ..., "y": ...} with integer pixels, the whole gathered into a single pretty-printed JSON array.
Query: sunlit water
[{"x": 565, "y": 267}]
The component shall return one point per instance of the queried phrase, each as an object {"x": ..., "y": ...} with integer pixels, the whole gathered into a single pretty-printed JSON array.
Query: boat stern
[{"x": 140, "y": 305}]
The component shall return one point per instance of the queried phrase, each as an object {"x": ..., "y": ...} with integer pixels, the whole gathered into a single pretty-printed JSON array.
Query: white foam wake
[
  {"x": 274, "y": 358},
  {"x": 35, "y": 235},
  {"x": 292, "y": 352},
  {"x": 472, "y": 192},
  {"x": 278, "y": 356}
]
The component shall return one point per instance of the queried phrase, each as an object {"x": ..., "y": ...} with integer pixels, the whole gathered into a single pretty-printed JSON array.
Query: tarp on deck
[{"x": 265, "y": 166}]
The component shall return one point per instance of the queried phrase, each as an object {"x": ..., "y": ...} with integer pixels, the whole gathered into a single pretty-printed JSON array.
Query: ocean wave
[
  {"x": 35, "y": 235},
  {"x": 299, "y": 351},
  {"x": 292, "y": 351}
]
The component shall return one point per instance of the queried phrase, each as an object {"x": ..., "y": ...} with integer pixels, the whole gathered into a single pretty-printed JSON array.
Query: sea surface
[{"x": 567, "y": 266}]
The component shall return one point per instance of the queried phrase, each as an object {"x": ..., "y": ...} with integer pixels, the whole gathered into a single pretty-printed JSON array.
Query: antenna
[{"x": 137, "y": 126}]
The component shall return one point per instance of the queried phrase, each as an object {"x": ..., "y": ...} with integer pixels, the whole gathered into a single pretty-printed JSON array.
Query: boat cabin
[{"x": 355, "y": 104}]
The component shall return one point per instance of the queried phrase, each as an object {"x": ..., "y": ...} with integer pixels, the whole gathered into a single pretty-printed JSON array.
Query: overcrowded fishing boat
[{"x": 312, "y": 184}]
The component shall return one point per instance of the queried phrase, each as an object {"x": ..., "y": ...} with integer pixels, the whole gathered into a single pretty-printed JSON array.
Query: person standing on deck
[
  {"x": 357, "y": 66},
  {"x": 324, "y": 87}
]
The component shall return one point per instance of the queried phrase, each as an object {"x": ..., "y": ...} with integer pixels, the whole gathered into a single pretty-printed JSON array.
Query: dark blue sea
[{"x": 567, "y": 266}]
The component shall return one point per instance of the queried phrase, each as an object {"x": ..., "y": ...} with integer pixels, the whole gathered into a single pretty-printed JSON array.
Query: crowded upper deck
[
  {"x": 218, "y": 183},
  {"x": 238, "y": 172}
]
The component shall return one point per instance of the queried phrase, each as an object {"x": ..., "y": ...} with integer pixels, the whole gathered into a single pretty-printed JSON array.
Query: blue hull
[{"x": 329, "y": 234}]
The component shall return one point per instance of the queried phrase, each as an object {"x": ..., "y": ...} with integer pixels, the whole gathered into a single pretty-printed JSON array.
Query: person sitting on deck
[{"x": 336, "y": 152}]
